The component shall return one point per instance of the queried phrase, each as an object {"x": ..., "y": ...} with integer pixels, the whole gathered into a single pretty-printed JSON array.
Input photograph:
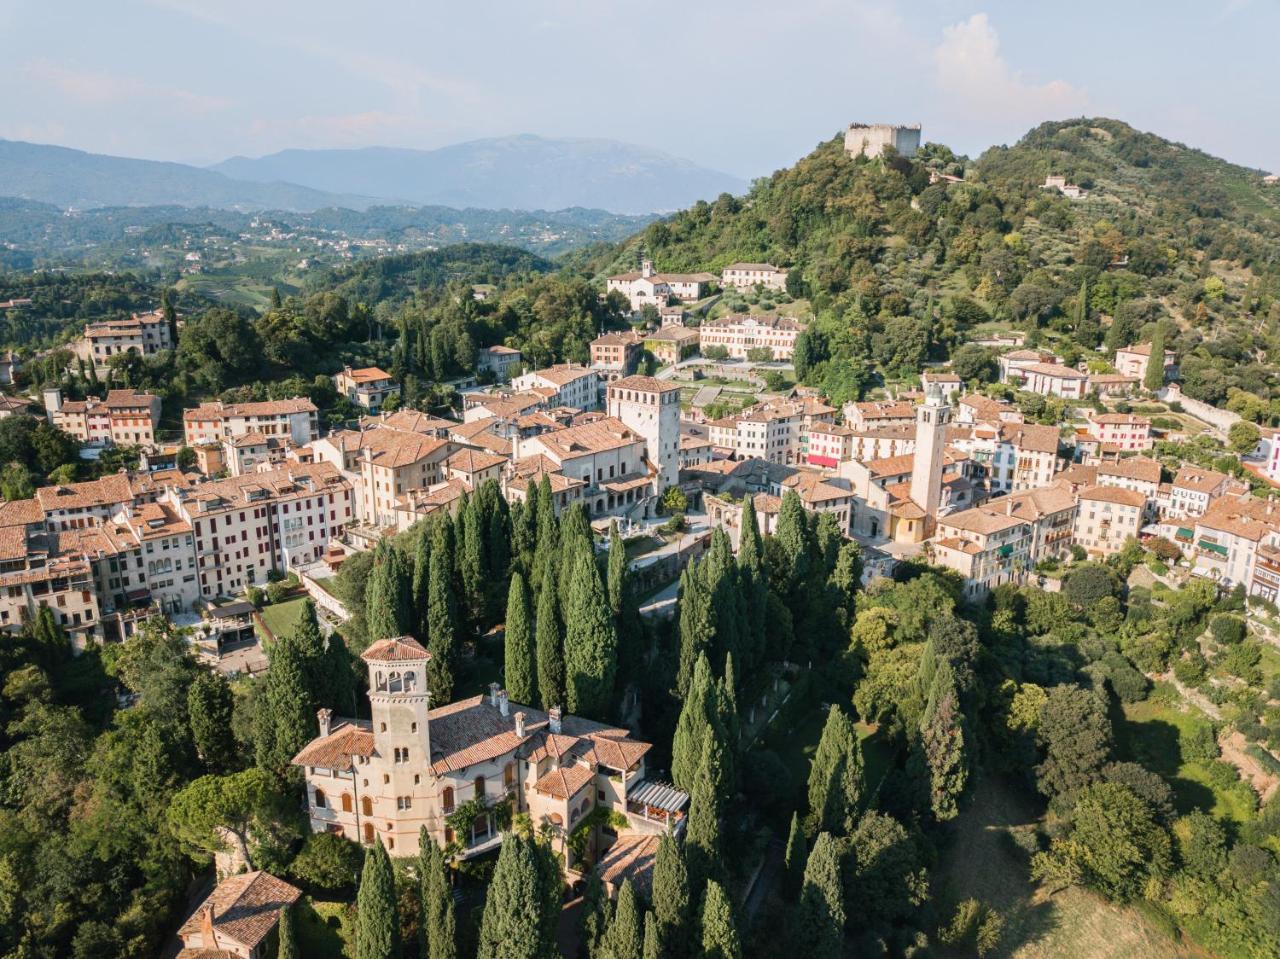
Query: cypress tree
[
  {"x": 793, "y": 536},
  {"x": 942, "y": 741},
  {"x": 575, "y": 540},
  {"x": 518, "y": 669},
  {"x": 286, "y": 934},
  {"x": 818, "y": 929},
  {"x": 672, "y": 900},
  {"x": 617, "y": 570},
  {"x": 835, "y": 778},
  {"x": 702, "y": 832},
  {"x": 719, "y": 934},
  {"x": 750, "y": 544},
  {"x": 387, "y": 595},
  {"x": 1081, "y": 317},
  {"x": 472, "y": 565},
  {"x": 593, "y": 923},
  {"x": 727, "y": 706},
  {"x": 337, "y": 681},
  {"x": 286, "y": 716},
  {"x": 441, "y": 630},
  {"x": 652, "y": 939},
  {"x": 695, "y": 727},
  {"x": 590, "y": 642},
  {"x": 1153, "y": 375},
  {"x": 377, "y": 921},
  {"x": 548, "y": 641},
  {"x": 420, "y": 588},
  {"x": 439, "y": 927},
  {"x": 547, "y": 540},
  {"x": 514, "y": 924},
  {"x": 210, "y": 703},
  {"x": 797, "y": 858},
  {"x": 846, "y": 578},
  {"x": 524, "y": 527},
  {"x": 497, "y": 548},
  {"x": 695, "y": 625},
  {"x": 625, "y": 938},
  {"x": 728, "y": 611}
]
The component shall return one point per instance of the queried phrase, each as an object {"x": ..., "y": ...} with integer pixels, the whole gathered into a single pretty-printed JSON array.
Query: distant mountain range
[
  {"x": 511, "y": 173},
  {"x": 515, "y": 173}
]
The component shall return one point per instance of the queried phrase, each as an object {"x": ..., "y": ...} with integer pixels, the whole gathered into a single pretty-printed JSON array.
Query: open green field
[
  {"x": 281, "y": 618},
  {"x": 1072, "y": 924},
  {"x": 1149, "y": 733}
]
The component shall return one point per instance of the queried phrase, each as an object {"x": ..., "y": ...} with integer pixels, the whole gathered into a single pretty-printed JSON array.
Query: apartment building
[
  {"x": 878, "y": 413},
  {"x": 615, "y": 355},
  {"x": 1107, "y": 517},
  {"x": 246, "y": 453},
  {"x": 1133, "y": 360},
  {"x": 607, "y": 455},
  {"x": 673, "y": 343},
  {"x": 746, "y": 275},
  {"x": 776, "y": 430},
  {"x": 562, "y": 385},
  {"x": 1014, "y": 456},
  {"x": 382, "y": 464},
  {"x": 143, "y": 333},
  {"x": 830, "y": 444},
  {"x": 1192, "y": 490},
  {"x": 1122, "y": 432},
  {"x": 410, "y": 767},
  {"x": 248, "y": 525},
  {"x": 987, "y": 545},
  {"x": 1237, "y": 541},
  {"x": 81, "y": 505},
  {"x": 368, "y": 387},
  {"x": 1133, "y": 472},
  {"x": 499, "y": 361},
  {"x": 740, "y": 334},
  {"x": 124, "y": 418},
  {"x": 296, "y": 418},
  {"x": 32, "y": 579}
]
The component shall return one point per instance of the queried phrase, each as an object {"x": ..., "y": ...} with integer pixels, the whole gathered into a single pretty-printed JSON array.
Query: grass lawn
[
  {"x": 640, "y": 545},
  {"x": 1075, "y": 923},
  {"x": 1149, "y": 734},
  {"x": 325, "y": 930},
  {"x": 281, "y": 618}
]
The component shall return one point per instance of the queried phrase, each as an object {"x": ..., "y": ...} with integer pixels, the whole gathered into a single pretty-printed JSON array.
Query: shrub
[
  {"x": 1190, "y": 669},
  {"x": 1242, "y": 661},
  {"x": 1264, "y": 759},
  {"x": 256, "y": 596},
  {"x": 1127, "y": 683},
  {"x": 327, "y": 862},
  {"x": 1198, "y": 742},
  {"x": 277, "y": 592},
  {"x": 1227, "y": 630}
]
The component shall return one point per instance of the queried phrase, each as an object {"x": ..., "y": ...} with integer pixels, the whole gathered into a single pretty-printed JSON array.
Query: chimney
[
  {"x": 553, "y": 719},
  {"x": 493, "y": 694},
  {"x": 326, "y": 720},
  {"x": 208, "y": 937},
  {"x": 1008, "y": 507},
  {"x": 520, "y": 724},
  {"x": 502, "y": 701}
]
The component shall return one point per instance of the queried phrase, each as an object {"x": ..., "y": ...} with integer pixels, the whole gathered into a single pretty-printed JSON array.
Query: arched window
[
  {"x": 394, "y": 684},
  {"x": 320, "y": 800},
  {"x": 586, "y": 804},
  {"x": 366, "y": 805},
  {"x": 509, "y": 774},
  {"x": 556, "y": 819},
  {"x": 346, "y": 802},
  {"x": 380, "y": 681},
  {"x": 446, "y": 799},
  {"x": 479, "y": 787},
  {"x": 410, "y": 681},
  {"x": 368, "y": 832},
  {"x": 573, "y": 816}
]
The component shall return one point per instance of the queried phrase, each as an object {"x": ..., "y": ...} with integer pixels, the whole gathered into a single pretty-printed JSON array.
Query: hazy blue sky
[{"x": 744, "y": 86}]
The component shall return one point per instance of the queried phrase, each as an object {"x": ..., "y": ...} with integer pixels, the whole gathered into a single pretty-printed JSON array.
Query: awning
[
  {"x": 1184, "y": 533},
  {"x": 659, "y": 796},
  {"x": 1213, "y": 547}
]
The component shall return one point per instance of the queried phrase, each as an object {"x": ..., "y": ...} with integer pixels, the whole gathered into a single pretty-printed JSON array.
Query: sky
[{"x": 746, "y": 86}]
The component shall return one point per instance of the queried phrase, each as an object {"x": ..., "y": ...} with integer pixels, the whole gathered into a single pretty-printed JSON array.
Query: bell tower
[
  {"x": 932, "y": 417},
  {"x": 399, "y": 702}
]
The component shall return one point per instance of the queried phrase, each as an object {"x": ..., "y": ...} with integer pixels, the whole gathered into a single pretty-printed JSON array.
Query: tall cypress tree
[
  {"x": 439, "y": 928},
  {"x": 514, "y": 924},
  {"x": 524, "y": 527},
  {"x": 387, "y": 595},
  {"x": 617, "y": 570},
  {"x": 753, "y": 585},
  {"x": 702, "y": 832},
  {"x": 210, "y": 703},
  {"x": 719, "y": 934},
  {"x": 695, "y": 625},
  {"x": 625, "y": 938},
  {"x": 797, "y": 857},
  {"x": 337, "y": 680},
  {"x": 942, "y": 742},
  {"x": 548, "y": 641},
  {"x": 750, "y": 543},
  {"x": 793, "y": 536},
  {"x": 420, "y": 587},
  {"x": 818, "y": 926},
  {"x": 593, "y": 923},
  {"x": 286, "y": 716},
  {"x": 672, "y": 899},
  {"x": 590, "y": 642},
  {"x": 1153, "y": 375},
  {"x": 287, "y": 935},
  {"x": 575, "y": 540},
  {"x": 377, "y": 921},
  {"x": 835, "y": 777},
  {"x": 652, "y": 938},
  {"x": 473, "y": 566},
  {"x": 497, "y": 548},
  {"x": 518, "y": 669},
  {"x": 442, "y": 630},
  {"x": 547, "y": 540},
  {"x": 697, "y": 723}
]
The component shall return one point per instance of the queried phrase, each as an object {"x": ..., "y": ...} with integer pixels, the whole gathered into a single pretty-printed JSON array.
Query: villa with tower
[{"x": 463, "y": 770}]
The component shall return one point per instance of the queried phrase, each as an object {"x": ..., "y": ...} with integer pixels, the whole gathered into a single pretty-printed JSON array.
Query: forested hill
[{"x": 898, "y": 270}]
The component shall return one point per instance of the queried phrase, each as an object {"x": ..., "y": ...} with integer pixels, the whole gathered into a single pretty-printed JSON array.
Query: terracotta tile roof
[
  {"x": 753, "y": 268},
  {"x": 395, "y": 448},
  {"x": 751, "y": 321},
  {"x": 1198, "y": 480},
  {"x": 1114, "y": 494},
  {"x": 983, "y": 520},
  {"x": 21, "y": 512},
  {"x": 1030, "y": 437},
  {"x": 473, "y": 461},
  {"x": 815, "y": 489},
  {"x": 885, "y": 410},
  {"x": 350, "y": 738},
  {"x": 411, "y": 421},
  {"x": 400, "y": 649},
  {"x": 1139, "y": 468},
  {"x": 367, "y": 374},
  {"x": 1034, "y": 504},
  {"x": 891, "y": 465},
  {"x": 107, "y": 491},
  {"x": 128, "y": 399},
  {"x": 13, "y": 543},
  {"x": 246, "y": 908},
  {"x": 295, "y": 481},
  {"x": 218, "y": 410},
  {"x": 563, "y": 374},
  {"x": 644, "y": 384},
  {"x": 1121, "y": 419},
  {"x": 617, "y": 338},
  {"x": 961, "y": 545},
  {"x": 632, "y": 858},
  {"x": 1245, "y": 516},
  {"x": 606, "y": 433},
  {"x": 565, "y": 782},
  {"x": 1055, "y": 370}
]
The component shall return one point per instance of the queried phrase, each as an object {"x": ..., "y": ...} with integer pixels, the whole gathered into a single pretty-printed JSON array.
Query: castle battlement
[{"x": 870, "y": 139}]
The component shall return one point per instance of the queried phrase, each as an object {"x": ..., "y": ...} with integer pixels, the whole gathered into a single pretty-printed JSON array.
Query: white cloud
[{"x": 976, "y": 82}]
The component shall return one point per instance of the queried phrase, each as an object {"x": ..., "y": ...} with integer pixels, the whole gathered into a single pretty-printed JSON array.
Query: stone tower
[
  {"x": 651, "y": 407},
  {"x": 399, "y": 702},
  {"x": 932, "y": 417}
]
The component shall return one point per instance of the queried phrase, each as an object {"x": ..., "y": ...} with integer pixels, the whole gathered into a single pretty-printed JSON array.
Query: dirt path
[{"x": 1263, "y": 782}]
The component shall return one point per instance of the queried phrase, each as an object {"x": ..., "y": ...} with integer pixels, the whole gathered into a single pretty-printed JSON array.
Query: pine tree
[
  {"x": 387, "y": 595},
  {"x": 377, "y": 921},
  {"x": 514, "y": 925},
  {"x": 590, "y": 643},
  {"x": 672, "y": 899},
  {"x": 818, "y": 927},
  {"x": 617, "y": 570},
  {"x": 209, "y": 707},
  {"x": 286, "y": 935},
  {"x": 796, "y": 858},
  {"x": 652, "y": 938},
  {"x": 439, "y": 927},
  {"x": 518, "y": 669},
  {"x": 719, "y": 934},
  {"x": 625, "y": 938},
  {"x": 593, "y": 923},
  {"x": 697, "y": 723},
  {"x": 1153, "y": 375},
  {"x": 286, "y": 716},
  {"x": 442, "y": 630},
  {"x": 548, "y": 641},
  {"x": 835, "y": 777},
  {"x": 942, "y": 741}
]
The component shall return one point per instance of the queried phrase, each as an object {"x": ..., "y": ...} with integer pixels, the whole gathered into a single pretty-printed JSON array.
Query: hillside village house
[
  {"x": 1193, "y": 489},
  {"x": 296, "y": 418},
  {"x": 369, "y": 386},
  {"x": 615, "y": 355},
  {"x": 1132, "y": 360},
  {"x": 746, "y": 275},
  {"x": 649, "y": 288},
  {"x": 562, "y": 385},
  {"x": 143, "y": 333},
  {"x": 499, "y": 360},
  {"x": 239, "y": 918},
  {"x": 739, "y": 334},
  {"x": 671, "y": 344},
  {"x": 1122, "y": 432},
  {"x": 462, "y": 769},
  {"x": 1133, "y": 472},
  {"x": 607, "y": 455},
  {"x": 124, "y": 418},
  {"x": 383, "y": 463},
  {"x": 1050, "y": 379},
  {"x": 1107, "y": 517}
]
